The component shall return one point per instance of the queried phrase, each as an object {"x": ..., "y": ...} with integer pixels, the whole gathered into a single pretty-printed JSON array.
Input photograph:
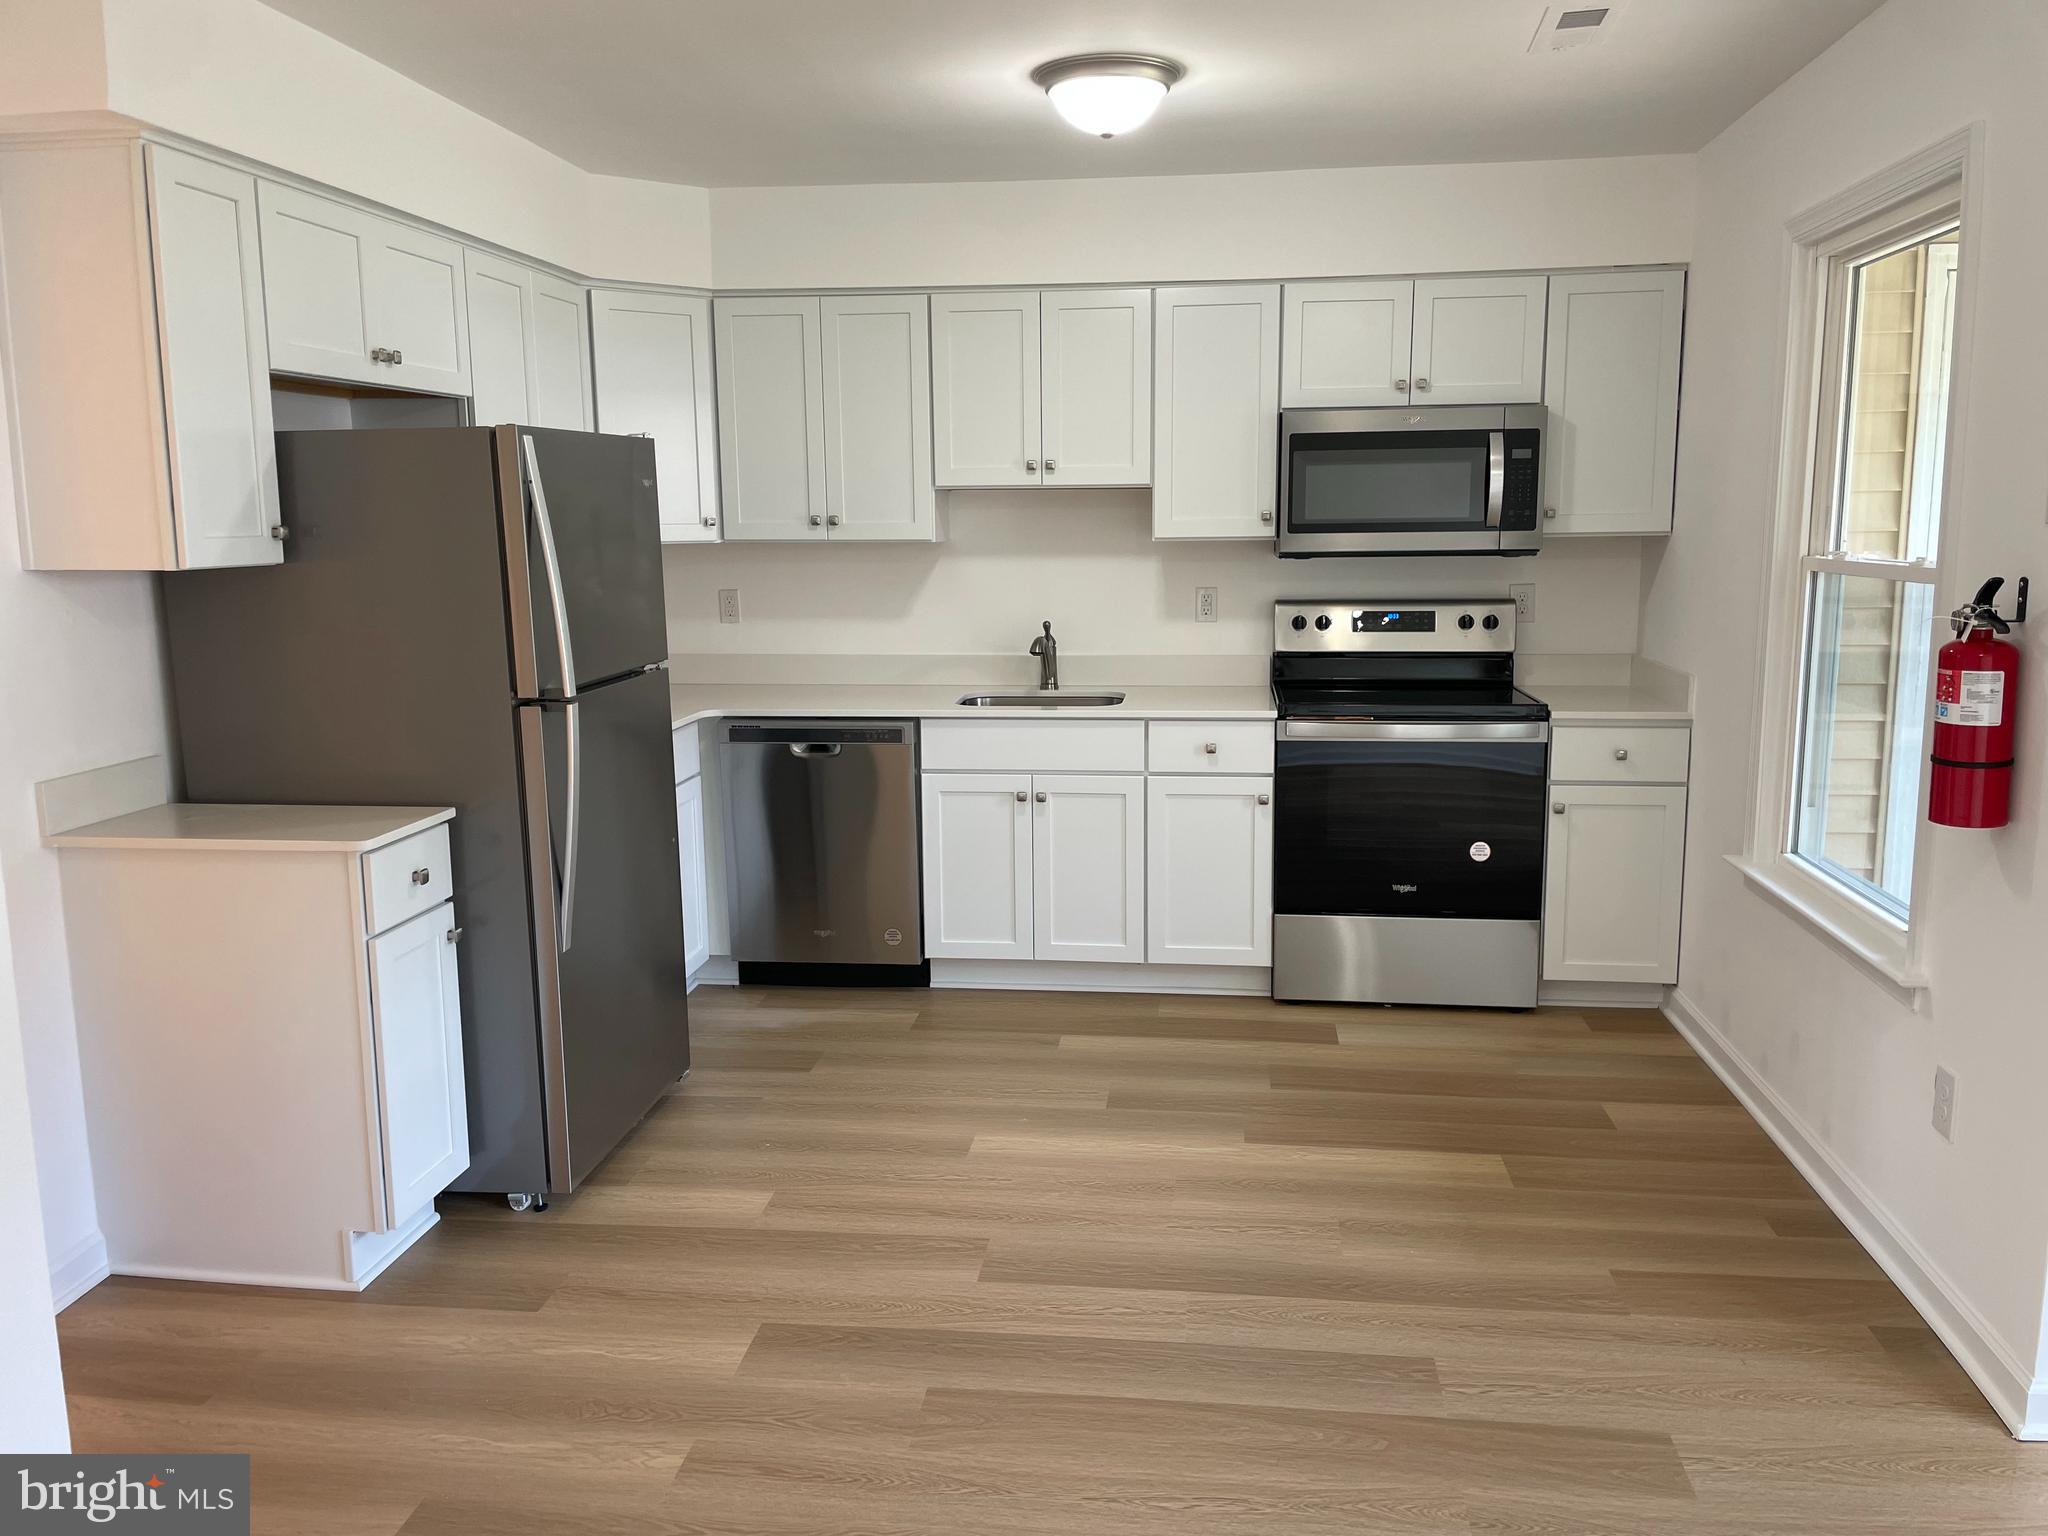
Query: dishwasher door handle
[{"x": 814, "y": 749}]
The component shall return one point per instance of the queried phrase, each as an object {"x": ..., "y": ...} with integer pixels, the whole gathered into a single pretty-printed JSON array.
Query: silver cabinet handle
[
  {"x": 832, "y": 519},
  {"x": 397, "y": 356},
  {"x": 1040, "y": 797},
  {"x": 422, "y": 876},
  {"x": 1265, "y": 799},
  {"x": 1400, "y": 384},
  {"x": 279, "y": 532},
  {"x": 816, "y": 521},
  {"x": 1022, "y": 797},
  {"x": 1422, "y": 384},
  {"x": 1209, "y": 747},
  {"x": 380, "y": 355},
  {"x": 1550, "y": 511},
  {"x": 1050, "y": 466},
  {"x": 1557, "y": 807},
  {"x": 710, "y": 522},
  {"x": 454, "y": 935},
  {"x": 1265, "y": 517},
  {"x": 1621, "y": 754},
  {"x": 1031, "y": 466}
]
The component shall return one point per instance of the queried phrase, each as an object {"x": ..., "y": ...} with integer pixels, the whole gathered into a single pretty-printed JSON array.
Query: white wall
[
  {"x": 1402, "y": 218},
  {"x": 1845, "y": 1056},
  {"x": 1087, "y": 561},
  {"x": 31, "y": 1380}
]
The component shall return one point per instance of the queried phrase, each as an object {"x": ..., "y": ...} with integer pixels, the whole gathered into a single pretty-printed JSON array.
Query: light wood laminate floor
[{"x": 962, "y": 1263}]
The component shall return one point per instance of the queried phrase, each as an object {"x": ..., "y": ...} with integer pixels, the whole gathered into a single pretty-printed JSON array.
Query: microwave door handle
[{"x": 1496, "y": 476}]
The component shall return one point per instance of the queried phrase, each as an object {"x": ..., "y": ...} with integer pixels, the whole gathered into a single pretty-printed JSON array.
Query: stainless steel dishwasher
[{"x": 822, "y": 821}]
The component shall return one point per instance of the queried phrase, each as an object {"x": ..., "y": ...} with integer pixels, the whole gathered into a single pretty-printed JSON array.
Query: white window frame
[{"x": 1944, "y": 177}]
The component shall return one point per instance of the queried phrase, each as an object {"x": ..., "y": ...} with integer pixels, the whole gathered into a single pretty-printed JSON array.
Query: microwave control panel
[{"x": 1521, "y": 479}]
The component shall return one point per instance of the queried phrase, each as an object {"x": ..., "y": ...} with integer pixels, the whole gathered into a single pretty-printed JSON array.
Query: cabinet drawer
[
  {"x": 406, "y": 878},
  {"x": 1032, "y": 746},
  {"x": 1209, "y": 746},
  {"x": 1620, "y": 754},
  {"x": 688, "y": 754}
]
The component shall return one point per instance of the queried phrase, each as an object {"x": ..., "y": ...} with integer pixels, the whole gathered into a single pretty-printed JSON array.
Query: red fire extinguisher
[{"x": 1976, "y": 691}]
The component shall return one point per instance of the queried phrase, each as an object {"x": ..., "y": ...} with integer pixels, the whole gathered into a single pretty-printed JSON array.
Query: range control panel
[{"x": 1484, "y": 625}]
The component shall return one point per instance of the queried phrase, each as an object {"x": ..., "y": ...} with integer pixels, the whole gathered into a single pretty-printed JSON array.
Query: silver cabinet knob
[
  {"x": 1039, "y": 797},
  {"x": 710, "y": 522},
  {"x": 1031, "y": 466},
  {"x": 397, "y": 356},
  {"x": 1550, "y": 511},
  {"x": 1265, "y": 799},
  {"x": 817, "y": 521},
  {"x": 279, "y": 532},
  {"x": 1400, "y": 384},
  {"x": 1022, "y": 797},
  {"x": 380, "y": 354},
  {"x": 1265, "y": 517},
  {"x": 1050, "y": 466},
  {"x": 454, "y": 935},
  {"x": 1422, "y": 384},
  {"x": 832, "y": 519},
  {"x": 1557, "y": 807},
  {"x": 422, "y": 876},
  {"x": 1621, "y": 754},
  {"x": 1209, "y": 747}
]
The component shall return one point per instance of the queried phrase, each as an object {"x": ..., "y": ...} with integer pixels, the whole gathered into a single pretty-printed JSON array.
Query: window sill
[{"x": 1887, "y": 964}]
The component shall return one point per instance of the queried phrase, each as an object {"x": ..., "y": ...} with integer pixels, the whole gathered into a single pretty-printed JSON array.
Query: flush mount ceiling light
[{"x": 1107, "y": 93}]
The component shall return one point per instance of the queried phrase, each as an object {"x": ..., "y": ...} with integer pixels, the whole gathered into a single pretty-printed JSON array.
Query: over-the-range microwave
[{"x": 1399, "y": 480}]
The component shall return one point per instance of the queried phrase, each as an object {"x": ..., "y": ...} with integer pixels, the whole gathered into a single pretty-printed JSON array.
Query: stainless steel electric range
[{"x": 1409, "y": 781}]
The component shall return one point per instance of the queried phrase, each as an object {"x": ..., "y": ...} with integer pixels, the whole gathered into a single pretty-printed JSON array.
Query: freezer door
[
  {"x": 585, "y": 525},
  {"x": 613, "y": 1015}
]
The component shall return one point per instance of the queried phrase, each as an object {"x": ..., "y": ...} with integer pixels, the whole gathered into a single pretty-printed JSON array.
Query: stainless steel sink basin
[{"x": 1051, "y": 700}]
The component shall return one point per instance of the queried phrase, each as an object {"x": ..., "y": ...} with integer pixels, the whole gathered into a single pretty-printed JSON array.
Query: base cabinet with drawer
[
  {"x": 1209, "y": 870},
  {"x": 1614, "y": 860},
  {"x": 693, "y": 847},
  {"x": 271, "y": 1024}
]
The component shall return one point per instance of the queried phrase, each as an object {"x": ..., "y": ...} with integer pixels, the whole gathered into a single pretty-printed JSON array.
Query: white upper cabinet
[
  {"x": 139, "y": 376},
  {"x": 1478, "y": 341},
  {"x": 1096, "y": 387},
  {"x": 878, "y": 424},
  {"x": 771, "y": 418},
  {"x": 528, "y": 346},
  {"x": 1209, "y": 870},
  {"x": 1611, "y": 385},
  {"x": 985, "y": 389},
  {"x": 652, "y": 361},
  {"x": 1347, "y": 343},
  {"x": 1215, "y": 427},
  {"x": 354, "y": 296}
]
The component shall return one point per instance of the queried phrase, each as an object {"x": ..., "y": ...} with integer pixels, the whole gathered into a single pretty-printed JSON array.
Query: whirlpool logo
[
  {"x": 1406, "y": 890},
  {"x": 193, "y": 1496}
]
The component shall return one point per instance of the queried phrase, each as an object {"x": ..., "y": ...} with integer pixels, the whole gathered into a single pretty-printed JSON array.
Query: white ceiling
[{"x": 799, "y": 92}]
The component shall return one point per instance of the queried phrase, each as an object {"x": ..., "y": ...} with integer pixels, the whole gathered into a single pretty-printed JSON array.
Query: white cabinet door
[
  {"x": 771, "y": 418},
  {"x": 1096, "y": 386},
  {"x": 1217, "y": 374},
  {"x": 1611, "y": 383},
  {"x": 1478, "y": 340},
  {"x": 696, "y": 888},
  {"x": 977, "y": 866},
  {"x": 559, "y": 346},
  {"x": 1613, "y": 873},
  {"x": 416, "y": 1011},
  {"x": 1346, "y": 343},
  {"x": 500, "y": 333},
  {"x": 415, "y": 308},
  {"x": 1088, "y": 866},
  {"x": 878, "y": 421},
  {"x": 652, "y": 364},
  {"x": 1209, "y": 871},
  {"x": 316, "y": 284},
  {"x": 209, "y": 311},
  {"x": 985, "y": 389}
]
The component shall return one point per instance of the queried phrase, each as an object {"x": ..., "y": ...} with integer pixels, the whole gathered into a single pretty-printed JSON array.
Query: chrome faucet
[{"x": 1047, "y": 650}]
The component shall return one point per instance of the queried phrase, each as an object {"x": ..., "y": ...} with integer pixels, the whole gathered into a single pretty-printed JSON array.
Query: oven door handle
[
  {"x": 1496, "y": 476},
  {"x": 1412, "y": 730}
]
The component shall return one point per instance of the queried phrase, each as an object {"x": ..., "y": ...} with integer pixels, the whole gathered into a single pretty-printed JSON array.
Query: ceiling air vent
[{"x": 1572, "y": 26}]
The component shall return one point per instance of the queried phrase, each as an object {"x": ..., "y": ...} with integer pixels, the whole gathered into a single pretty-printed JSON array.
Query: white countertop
[
  {"x": 1625, "y": 703},
  {"x": 929, "y": 701},
  {"x": 258, "y": 828}
]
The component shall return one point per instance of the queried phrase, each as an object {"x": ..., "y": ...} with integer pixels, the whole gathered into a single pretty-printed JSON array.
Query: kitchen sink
[{"x": 1049, "y": 700}]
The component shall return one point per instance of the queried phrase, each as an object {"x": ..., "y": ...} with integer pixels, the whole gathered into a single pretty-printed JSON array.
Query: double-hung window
[{"x": 1845, "y": 743}]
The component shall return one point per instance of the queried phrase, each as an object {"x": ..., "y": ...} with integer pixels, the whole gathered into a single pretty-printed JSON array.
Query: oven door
[
  {"x": 1391, "y": 481},
  {"x": 1410, "y": 819}
]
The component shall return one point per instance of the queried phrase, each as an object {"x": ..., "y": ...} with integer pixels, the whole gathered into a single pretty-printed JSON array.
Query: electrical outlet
[
  {"x": 1524, "y": 594},
  {"x": 1205, "y": 605},
  {"x": 1945, "y": 1103},
  {"x": 728, "y": 605}
]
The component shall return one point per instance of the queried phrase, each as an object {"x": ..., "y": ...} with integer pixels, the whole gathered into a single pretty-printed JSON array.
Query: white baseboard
[
  {"x": 2014, "y": 1392},
  {"x": 718, "y": 971},
  {"x": 1601, "y": 994},
  {"x": 1089, "y": 976},
  {"x": 78, "y": 1271}
]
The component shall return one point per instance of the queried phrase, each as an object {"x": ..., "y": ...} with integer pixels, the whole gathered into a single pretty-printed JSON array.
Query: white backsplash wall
[{"x": 1087, "y": 561}]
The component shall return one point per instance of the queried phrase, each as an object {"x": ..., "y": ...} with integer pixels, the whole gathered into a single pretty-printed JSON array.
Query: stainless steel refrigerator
[{"x": 473, "y": 617}]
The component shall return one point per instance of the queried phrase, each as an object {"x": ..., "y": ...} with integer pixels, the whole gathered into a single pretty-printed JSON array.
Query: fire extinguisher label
[{"x": 1969, "y": 698}]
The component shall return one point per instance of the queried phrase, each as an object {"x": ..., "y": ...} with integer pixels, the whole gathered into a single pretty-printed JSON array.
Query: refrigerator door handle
[{"x": 565, "y": 650}]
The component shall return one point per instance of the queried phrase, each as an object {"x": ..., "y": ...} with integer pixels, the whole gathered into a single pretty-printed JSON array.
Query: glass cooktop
[{"x": 1324, "y": 700}]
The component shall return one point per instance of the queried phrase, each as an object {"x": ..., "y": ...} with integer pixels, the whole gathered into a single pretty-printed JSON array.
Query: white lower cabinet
[
  {"x": 418, "y": 1008},
  {"x": 690, "y": 848},
  {"x": 977, "y": 866},
  {"x": 1088, "y": 867},
  {"x": 1209, "y": 870},
  {"x": 1613, "y": 869}
]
